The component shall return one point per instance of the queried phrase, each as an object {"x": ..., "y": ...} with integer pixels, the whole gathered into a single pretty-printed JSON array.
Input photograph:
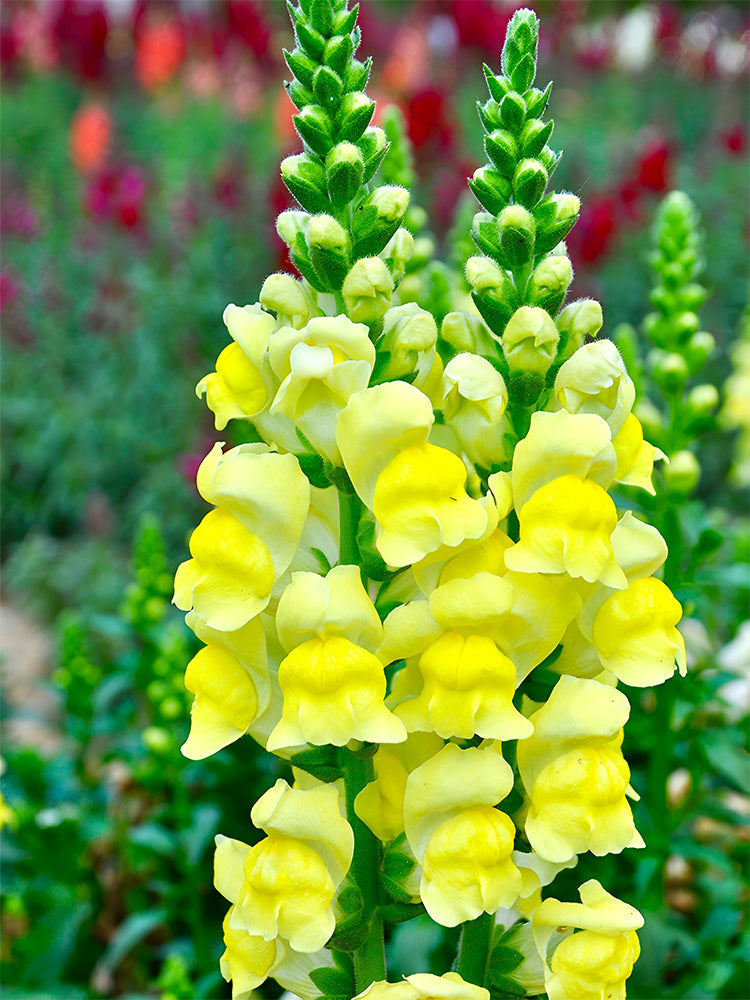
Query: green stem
[
  {"x": 474, "y": 950},
  {"x": 369, "y": 958}
]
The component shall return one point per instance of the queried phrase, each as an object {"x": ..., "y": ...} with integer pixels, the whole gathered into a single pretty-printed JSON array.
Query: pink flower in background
[
  {"x": 16, "y": 217},
  {"x": 9, "y": 289}
]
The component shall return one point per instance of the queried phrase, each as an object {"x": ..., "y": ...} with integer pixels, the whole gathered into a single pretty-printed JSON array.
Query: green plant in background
[{"x": 414, "y": 586}]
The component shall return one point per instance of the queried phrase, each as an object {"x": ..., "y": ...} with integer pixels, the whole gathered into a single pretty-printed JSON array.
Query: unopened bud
[
  {"x": 580, "y": 320},
  {"x": 682, "y": 474},
  {"x": 367, "y": 290},
  {"x": 291, "y": 224},
  {"x": 306, "y": 179},
  {"x": 329, "y": 252},
  {"x": 315, "y": 128},
  {"x": 378, "y": 218},
  {"x": 466, "y": 333},
  {"x": 344, "y": 170},
  {"x": 374, "y": 146},
  {"x": 494, "y": 293},
  {"x": 502, "y": 149},
  {"x": 399, "y": 250},
  {"x": 512, "y": 111},
  {"x": 530, "y": 340},
  {"x": 485, "y": 233},
  {"x": 699, "y": 349},
  {"x": 354, "y": 115},
  {"x": 549, "y": 283},
  {"x": 555, "y": 216},
  {"x": 670, "y": 371},
  {"x": 285, "y": 295},
  {"x": 491, "y": 189},
  {"x": 327, "y": 86},
  {"x": 529, "y": 181},
  {"x": 517, "y": 229},
  {"x": 534, "y": 136},
  {"x": 703, "y": 399}
]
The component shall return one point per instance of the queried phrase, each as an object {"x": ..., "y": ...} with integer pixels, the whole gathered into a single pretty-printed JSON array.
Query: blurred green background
[{"x": 140, "y": 151}]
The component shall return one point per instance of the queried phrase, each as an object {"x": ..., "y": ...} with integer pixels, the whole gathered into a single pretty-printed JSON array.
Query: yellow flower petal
[
  {"x": 595, "y": 380},
  {"x": 634, "y": 633},
  {"x": 566, "y": 527},
  {"x": 635, "y": 457},
  {"x": 226, "y": 701},
  {"x": 333, "y": 692}
]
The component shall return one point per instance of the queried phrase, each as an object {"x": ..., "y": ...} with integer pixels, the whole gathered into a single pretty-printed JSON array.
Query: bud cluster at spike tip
[{"x": 417, "y": 587}]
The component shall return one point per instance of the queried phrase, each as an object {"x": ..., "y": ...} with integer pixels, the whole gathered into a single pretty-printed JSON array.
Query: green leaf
[
  {"x": 320, "y": 762},
  {"x": 334, "y": 984},
  {"x": 131, "y": 932},
  {"x": 154, "y": 837}
]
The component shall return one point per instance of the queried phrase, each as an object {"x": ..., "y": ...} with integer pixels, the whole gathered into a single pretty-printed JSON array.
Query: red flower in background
[
  {"x": 654, "y": 167},
  {"x": 246, "y": 22},
  {"x": 117, "y": 194},
  {"x": 481, "y": 24},
  {"x": 428, "y": 119},
  {"x": 79, "y": 29},
  {"x": 734, "y": 140},
  {"x": 89, "y": 138},
  {"x": 592, "y": 235}
]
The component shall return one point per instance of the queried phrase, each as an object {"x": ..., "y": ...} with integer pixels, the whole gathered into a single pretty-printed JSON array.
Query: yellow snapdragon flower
[
  {"x": 415, "y": 489},
  {"x": 319, "y": 367},
  {"x": 635, "y": 457},
  {"x": 595, "y": 380},
  {"x": 463, "y": 844},
  {"x": 593, "y": 963},
  {"x": 285, "y": 885},
  {"x": 575, "y": 775},
  {"x": 333, "y": 684},
  {"x": 475, "y": 399},
  {"x": 244, "y": 545}
]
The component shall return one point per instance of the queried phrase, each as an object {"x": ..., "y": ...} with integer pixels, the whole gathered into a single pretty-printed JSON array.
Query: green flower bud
[
  {"x": 534, "y": 136},
  {"x": 354, "y": 115},
  {"x": 338, "y": 52},
  {"x": 670, "y": 371},
  {"x": 309, "y": 39},
  {"x": 329, "y": 250},
  {"x": 291, "y": 224},
  {"x": 306, "y": 179},
  {"x": 692, "y": 296},
  {"x": 399, "y": 251},
  {"x": 344, "y": 170},
  {"x": 485, "y": 233},
  {"x": 491, "y": 189},
  {"x": 301, "y": 65},
  {"x": 374, "y": 146},
  {"x": 522, "y": 76},
  {"x": 702, "y": 399},
  {"x": 537, "y": 101},
  {"x": 377, "y": 218},
  {"x": 555, "y": 216},
  {"x": 580, "y": 320},
  {"x": 549, "y": 283},
  {"x": 659, "y": 330},
  {"x": 530, "y": 340},
  {"x": 494, "y": 293},
  {"x": 345, "y": 20},
  {"x": 357, "y": 74},
  {"x": 498, "y": 86},
  {"x": 157, "y": 740},
  {"x": 286, "y": 297},
  {"x": 512, "y": 112},
  {"x": 367, "y": 290},
  {"x": 315, "y": 129},
  {"x": 686, "y": 324},
  {"x": 502, "y": 149},
  {"x": 682, "y": 474},
  {"x": 466, "y": 334},
  {"x": 327, "y": 86},
  {"x": 489, "y": 114},
  {"x": 299, "y": 95},
  {"x": 699, "y": 349},
  {"x": 321, "y": 16},
  {"x": 517, "y": 230}
]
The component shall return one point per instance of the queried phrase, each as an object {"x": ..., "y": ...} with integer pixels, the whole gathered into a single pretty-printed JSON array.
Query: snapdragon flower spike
[{"x": 343, "y": 222}]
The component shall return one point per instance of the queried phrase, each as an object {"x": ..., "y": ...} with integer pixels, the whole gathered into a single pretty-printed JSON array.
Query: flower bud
[
  {"x": 466, "y": 333},
  {"x": 338, "y": 51},
  {"x": 301, "y": 65},
  {"x": 494, "y": 293},
  {"x": 517, "y": 229},
  {"x": 377, "y": 219},
  {"x": 529, "y": 181},
  {"x": 555, "y": 216},
  {"x": 502, "y": 149},
  {"x": 329, "y": 251},
  {"x": 702, "y": 399},
  {"x": 537, "y": 100},
  {"x": 398, "y": 252},
  {"x": 354, "y": 115},
  {"x": 374, "y": 146},
  {"x": 485, "y": 234},
  {"x": 327, "y": 86},
  {"x": 530, "y": 340},
  {"x": 314, "y": 128},
  {"x": 534, "y": 136},
  {"x": 491, "y": 189},
  {"x": 682, "y": 474},
  {"x": 512, "y": 111},
  {"x": 489, "y": 114},
  {"x": 286, "y": 296},
  {"x": 700, "y": 347},
  {"x": 669, "y": 370},
  {"x": 344, "y": 170},
  {"x": 306, "y": 179},
  {"x": 357, "y": 74},
  {"x": 549, "y": 283},
  {"x": 581, "y": 319},
  {"x": 367, "y": 290},
  {"x": 594, "y": 380},
  {"x": 290, "y": 224}
]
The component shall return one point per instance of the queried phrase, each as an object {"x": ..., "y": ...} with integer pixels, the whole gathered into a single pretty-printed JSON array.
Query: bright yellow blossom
[
  {"x": 424, "y": 986},
  {"x": 595, "y": 380},
  {"x": 635, "y": 457}
]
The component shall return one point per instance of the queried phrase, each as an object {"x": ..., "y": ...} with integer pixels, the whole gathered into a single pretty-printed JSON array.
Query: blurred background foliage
[{"x": 140, "y": 151}]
